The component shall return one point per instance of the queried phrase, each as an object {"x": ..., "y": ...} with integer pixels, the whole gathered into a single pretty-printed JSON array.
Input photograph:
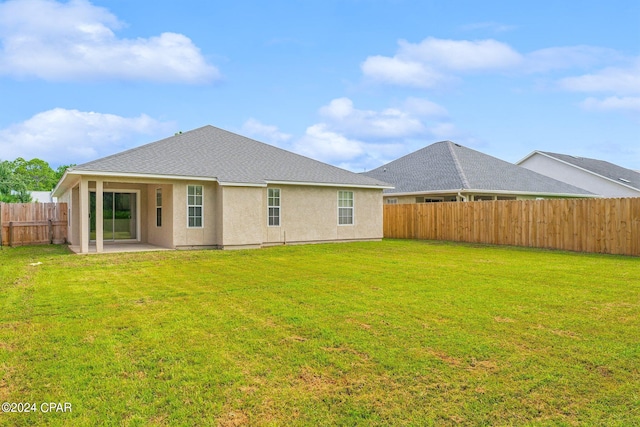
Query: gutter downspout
[{"x": 464, "y": 199}]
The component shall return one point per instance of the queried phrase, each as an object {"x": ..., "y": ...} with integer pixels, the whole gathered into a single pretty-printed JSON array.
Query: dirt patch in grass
[
  {"x": 233, "y": 419},
  {"x": 567, "y": 334},
  {"x": 449, "y": 360},
  {"x": 503, "y": 319},
  {"x": 315, "y": 381}
]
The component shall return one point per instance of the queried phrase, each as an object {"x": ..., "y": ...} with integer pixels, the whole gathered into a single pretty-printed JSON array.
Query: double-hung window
[
  {"x": 273, "y": 207},
  {"x": 158, "y": 207},
  {"x": 194, "y": 206},
  {"x": 345, "y": 207}
]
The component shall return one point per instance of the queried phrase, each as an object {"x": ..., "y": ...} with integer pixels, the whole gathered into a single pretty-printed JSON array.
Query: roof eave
[
  {"x": 527, "y": 156},
  {"x": 330, "y": 184},
  {"x": 142, "y": 175},
  {"x": 79, "y": 172},
  {"x": 485, "y": 191}
]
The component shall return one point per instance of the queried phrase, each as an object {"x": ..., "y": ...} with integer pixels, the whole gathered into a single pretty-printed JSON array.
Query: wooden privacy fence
[
  {"x": 609, "y": 226},
  {"x": 33, "y": 223}
]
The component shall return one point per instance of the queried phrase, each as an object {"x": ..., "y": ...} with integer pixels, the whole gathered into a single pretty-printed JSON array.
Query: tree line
[{"x": 19, "y": 177}]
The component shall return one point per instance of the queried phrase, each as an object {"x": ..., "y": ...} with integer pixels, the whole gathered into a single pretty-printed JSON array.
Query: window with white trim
[
  {"x": 194, "y": 206},
  {"x": 392, "y": 201},
  {"x": 273, "y": 207},
  {"x": 345, "y": 207},
  {"x": 158, "y": 207}
]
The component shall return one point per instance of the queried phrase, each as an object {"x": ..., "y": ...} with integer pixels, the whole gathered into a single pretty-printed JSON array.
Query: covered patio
[
  {"x": 118, "y": 247},
  {"x": 119, "y": 214}
]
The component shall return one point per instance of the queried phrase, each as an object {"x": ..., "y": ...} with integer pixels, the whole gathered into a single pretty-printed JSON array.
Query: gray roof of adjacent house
[
  {"x": 213, "y": 153},
  {"x": 446, "y": 166},
  {"x": 605, "y": 169}
]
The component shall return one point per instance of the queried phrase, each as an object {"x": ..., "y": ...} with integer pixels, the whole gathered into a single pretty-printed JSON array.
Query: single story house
[
  {"x": 448, "y": 172},
  {"x": 597, "y": 176},
  {"x": 210, "y": 188}
]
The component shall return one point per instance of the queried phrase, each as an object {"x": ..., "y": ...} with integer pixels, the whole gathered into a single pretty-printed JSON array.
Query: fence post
[
  {"x": 50, "y": 232},
  {"x": 11, "y": 233}
]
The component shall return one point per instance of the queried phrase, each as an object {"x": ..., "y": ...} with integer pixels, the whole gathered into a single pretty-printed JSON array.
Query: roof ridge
[{"x": 456, "y": 162}]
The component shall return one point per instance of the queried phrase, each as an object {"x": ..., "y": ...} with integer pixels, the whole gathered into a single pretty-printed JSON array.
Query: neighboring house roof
[
  {"x": 446, "y": 166},
  {"x": 620, "y": 175},
  {"x": 216, "y": 154}
]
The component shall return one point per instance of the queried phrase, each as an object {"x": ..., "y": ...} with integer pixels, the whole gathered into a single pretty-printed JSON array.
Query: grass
[{"x": 384, "y": 333}]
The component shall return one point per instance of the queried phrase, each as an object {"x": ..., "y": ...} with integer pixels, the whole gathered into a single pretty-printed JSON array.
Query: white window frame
[
  {"x": 138, "y": 209},
  {"x": 270, "y": 206},
  {"x": 158, "y": 206},
  {"x": 195, "y": 205},
  {"x": 342, "y": 199}
]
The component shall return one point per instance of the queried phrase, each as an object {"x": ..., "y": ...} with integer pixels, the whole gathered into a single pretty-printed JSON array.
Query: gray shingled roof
[
  {"x": 210, "y": 152},
  {"x": 602, "y": 168},
  {"x": 446, "y": 166}
]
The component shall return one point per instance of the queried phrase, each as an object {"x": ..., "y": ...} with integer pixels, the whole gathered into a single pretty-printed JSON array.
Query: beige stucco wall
[
  {"x": 186, "y": 237},
  {"x": 236, "y": 217},
  {"x": 70, "y": 197},
  {"x": 310, "y": 214},
  {"x": 163, "y": 235},
  {"x": 242, "y": 216}
]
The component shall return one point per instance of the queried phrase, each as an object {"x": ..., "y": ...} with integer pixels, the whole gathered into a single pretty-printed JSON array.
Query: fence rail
[
  {"x": 609, "y": 226},
  {"x": 33, "y": 223}
]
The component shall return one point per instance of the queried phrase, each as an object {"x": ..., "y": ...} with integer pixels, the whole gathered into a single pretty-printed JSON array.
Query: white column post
[
  {"x": 84, "y": 215},
  {"x": 99, "y": 216}
]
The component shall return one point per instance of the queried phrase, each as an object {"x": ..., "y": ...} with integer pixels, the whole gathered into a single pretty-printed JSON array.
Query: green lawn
[{"x": 381, "y": 333}]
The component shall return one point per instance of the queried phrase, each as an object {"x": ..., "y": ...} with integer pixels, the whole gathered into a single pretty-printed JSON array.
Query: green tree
[
  {"x": 36, "y": 174},
  {"x": 61, "y": 170},
  {"x": 6, "y": 175},
  {"x": 13, "y": 188}
]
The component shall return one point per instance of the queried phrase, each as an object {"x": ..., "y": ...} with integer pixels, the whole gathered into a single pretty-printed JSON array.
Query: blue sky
[{"x": 355, "y": 83}]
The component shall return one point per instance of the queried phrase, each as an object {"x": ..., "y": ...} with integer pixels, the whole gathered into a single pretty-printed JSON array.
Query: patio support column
[
  {"x": 99, "y": 216},
  {"x": 84, "y": 215}
]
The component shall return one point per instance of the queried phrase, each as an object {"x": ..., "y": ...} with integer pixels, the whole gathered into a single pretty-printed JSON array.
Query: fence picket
[
  {"x": 584, "y": 225},
  {"x": 32, "y": 223}
]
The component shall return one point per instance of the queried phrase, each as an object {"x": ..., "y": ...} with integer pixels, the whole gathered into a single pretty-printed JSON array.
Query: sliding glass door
[{"x": 119, "y": 216}]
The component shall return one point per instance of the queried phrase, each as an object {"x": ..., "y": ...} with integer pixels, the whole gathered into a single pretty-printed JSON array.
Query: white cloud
[
  {"x": 267, "y": 133},
  {"x": 433, "y": 62},
  {"x": 364, "y": 139},
  {"x": 401, "y": 72},
  {"x": 390, "y": 123},
  {"x": 61, "y": 136},
  {"x": 618, "y": 80},
  {"x": 76, "y": 41},
  {"x": 323, "y": 144},
  {"x": 460, "y": 55},
  {"x": 612, "y": 103}
]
